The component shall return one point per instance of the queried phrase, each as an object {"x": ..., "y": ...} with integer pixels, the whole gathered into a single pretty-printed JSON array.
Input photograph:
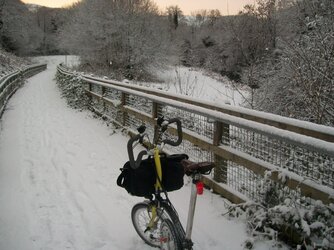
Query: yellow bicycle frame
[
  {"x": 158, "y": 168},
  {"x": 157, "y": 185}
]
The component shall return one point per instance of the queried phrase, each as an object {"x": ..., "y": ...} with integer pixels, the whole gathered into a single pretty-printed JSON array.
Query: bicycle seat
[{"x": 191, "y": 167}]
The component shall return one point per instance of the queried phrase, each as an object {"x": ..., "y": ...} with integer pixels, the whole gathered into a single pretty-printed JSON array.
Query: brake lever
[
  {"x": 179, "y": 132},
  {"x": 160, "y": 120}
]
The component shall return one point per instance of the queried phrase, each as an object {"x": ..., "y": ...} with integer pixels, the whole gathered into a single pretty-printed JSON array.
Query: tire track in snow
[{"x": 53, "y": 197}]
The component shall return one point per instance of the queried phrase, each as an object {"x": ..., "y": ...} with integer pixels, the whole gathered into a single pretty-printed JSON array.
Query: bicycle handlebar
[
  {"x": 135, "y": 163},
  {"x": 139, "y": 137}
]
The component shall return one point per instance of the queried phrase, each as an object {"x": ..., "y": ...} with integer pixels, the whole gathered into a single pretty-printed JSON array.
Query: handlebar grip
[
  {"x": 135, "y": 163},
  {"x": 179, "y": 133}
]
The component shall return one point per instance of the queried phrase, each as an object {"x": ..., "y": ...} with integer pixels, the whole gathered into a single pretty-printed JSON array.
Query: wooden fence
[
  {"x": 259, "y": 156},
  {"x": 11, "y": 82}
]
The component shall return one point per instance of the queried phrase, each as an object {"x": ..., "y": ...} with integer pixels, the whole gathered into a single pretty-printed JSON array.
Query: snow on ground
[
  {"x": 58, "y": 170},
  {"x": 196, "y": 83}
]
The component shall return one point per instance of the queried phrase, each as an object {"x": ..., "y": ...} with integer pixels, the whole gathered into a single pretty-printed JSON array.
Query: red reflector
[
  {"x": 163, "y": 239},
  {"x": 199, "y": 186}
]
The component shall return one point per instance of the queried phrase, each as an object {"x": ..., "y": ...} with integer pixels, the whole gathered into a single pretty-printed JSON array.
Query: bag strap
[
  {"x": 121, "y": 178},
  {"x": 157, "y": 177}
]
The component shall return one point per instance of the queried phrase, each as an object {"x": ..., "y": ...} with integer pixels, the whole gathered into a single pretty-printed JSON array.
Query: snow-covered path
[{"x": 58, "y": 170}]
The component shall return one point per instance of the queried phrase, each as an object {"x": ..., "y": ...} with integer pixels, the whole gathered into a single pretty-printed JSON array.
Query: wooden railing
[
  {"x": 256, "y": 153},
  {"x": 11, "y": 82}
]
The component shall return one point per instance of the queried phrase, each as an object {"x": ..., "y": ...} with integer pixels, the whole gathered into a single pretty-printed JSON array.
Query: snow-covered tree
[
  {"x": 122, "y": 36},
  {"x": 301, "y": 81},
  {"x": 19, "y": 33},
  {"x": 50, "y": 21}
]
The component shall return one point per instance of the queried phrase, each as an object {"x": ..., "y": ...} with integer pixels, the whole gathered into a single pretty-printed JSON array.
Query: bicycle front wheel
[
  {"x": 169, "y": 239},
  {"x": 141, "y": 215}
]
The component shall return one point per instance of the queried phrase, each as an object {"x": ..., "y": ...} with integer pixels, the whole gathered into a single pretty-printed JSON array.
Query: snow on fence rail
[
  {"x": 259, "y": 156},
  {"x": 11, "y": 82}
]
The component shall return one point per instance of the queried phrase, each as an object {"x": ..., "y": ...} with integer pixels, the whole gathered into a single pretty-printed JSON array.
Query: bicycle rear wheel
[
  {"x": 169, "y": 239},
  {"x": 141, "y": 215}
]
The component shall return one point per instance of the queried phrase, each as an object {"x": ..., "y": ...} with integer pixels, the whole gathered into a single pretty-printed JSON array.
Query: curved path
[{"x": 58, "y": 170}]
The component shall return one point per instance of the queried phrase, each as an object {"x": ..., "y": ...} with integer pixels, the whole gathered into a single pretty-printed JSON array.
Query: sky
[{"x": 187, "y": 6}]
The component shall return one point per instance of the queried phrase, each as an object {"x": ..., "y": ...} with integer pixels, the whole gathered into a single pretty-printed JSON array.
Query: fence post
[
  {"x": 221, "y": 135},
  {"x": 124, "y": 96},
  {"x": 90, "y": 96},
  {"x": 103, "y": 92},
  {"x": 155, "y": 114}
]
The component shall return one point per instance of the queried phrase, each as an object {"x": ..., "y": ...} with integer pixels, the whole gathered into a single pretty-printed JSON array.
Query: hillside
[{"x": 10, "y": 63}]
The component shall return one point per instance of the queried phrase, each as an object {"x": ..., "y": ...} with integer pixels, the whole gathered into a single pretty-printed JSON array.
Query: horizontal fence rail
[
  {"x": 259, "y": 156},
  {"x": 11, "y": 82}
]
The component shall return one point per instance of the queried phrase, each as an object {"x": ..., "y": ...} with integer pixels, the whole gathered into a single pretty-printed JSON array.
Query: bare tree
[
  {"x": 174, "y": 14},
  {"x": 2, "y": 3},
  {"x": 213, "y": 16},
  {"x": 205, "y": 17}
]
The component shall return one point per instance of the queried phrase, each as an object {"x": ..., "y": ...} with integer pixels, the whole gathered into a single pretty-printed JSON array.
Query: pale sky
[{"x": 187, "y": 6}]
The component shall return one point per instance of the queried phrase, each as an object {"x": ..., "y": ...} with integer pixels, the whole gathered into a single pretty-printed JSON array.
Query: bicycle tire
[
  {"x": 175, "y": 219},
  {"x": 169, "y": 239},
  {"x": 141, "y": 215}
]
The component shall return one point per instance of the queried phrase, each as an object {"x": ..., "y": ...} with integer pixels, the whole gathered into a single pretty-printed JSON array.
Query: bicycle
[{"x": 156, "y": 220}]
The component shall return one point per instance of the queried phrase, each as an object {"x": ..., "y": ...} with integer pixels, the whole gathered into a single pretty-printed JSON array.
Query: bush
[
  {"x": 310, "y": 226},
  {"x": 73, "y": 91}
]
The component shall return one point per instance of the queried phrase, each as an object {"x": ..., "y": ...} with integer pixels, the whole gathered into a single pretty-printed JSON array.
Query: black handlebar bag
[
  {"x": 172, "y": 171},
  {"x": 140, "y": 181}
]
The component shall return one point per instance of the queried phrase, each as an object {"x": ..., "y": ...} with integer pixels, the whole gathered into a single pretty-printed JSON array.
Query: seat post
[{"x": 191, "y": 211}]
